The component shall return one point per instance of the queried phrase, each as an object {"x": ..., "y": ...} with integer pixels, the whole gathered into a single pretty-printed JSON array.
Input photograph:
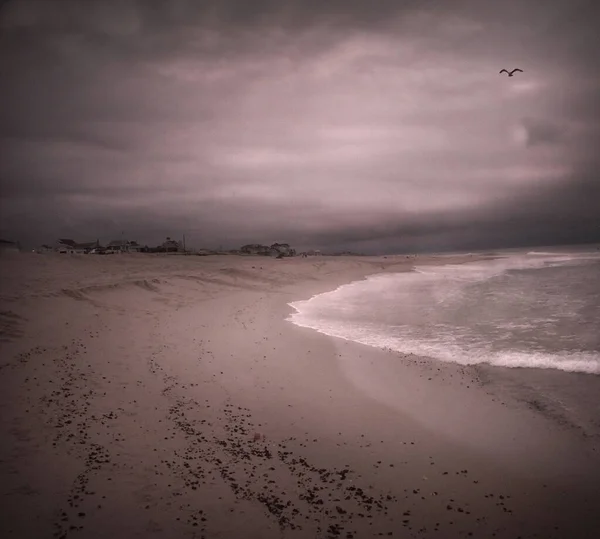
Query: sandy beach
[{"x": 162, "y": 396}]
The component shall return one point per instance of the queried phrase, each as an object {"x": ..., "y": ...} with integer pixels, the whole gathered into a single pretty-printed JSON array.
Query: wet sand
[{"x": 167, "y": 396}]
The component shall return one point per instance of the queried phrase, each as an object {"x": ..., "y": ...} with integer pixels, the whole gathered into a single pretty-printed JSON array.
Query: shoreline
[{"x": 134, "y": 392}]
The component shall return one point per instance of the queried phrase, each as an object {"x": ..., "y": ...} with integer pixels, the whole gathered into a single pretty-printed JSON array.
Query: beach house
[
  {"x": 134, "y": 247},
  {"x": 9, "y": 246},
  {"x": 255, "y": 249},
  {"x": 116, "y": 246},
  {"x": 171, "y": 246},
  {"x": 123, "y": 246},
  {"x": 65, "y": 246},
  {"x": 282, "y": 249},
  {"x": 69, "y": 246}
]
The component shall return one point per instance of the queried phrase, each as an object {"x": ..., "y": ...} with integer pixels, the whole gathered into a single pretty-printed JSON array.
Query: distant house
[
  {"x": 68, "y": 246},
  {"x": 116, "y": 246},
  {"x": 65, "y": 246},
  {"x": 88, "y": 246},
  {"x": 171, "y": 246},
  {"x": 123, "y": 246},
  {"x": 44, "y": 249},
  {"x": 9, "y": 246},
  {"x": 282, "y": 249},
  {"x": 134, "y": 247},
  {"x": 255, "y": 249}
]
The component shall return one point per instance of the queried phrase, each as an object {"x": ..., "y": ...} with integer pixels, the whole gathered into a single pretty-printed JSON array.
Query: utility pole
[{"x": 184, "y": 251}]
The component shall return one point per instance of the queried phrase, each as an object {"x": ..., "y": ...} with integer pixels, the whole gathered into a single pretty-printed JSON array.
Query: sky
[{"x": 376, "y": 126}]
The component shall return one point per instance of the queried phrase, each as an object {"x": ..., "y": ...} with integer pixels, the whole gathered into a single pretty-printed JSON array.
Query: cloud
[{"x": 325, "y": 123}]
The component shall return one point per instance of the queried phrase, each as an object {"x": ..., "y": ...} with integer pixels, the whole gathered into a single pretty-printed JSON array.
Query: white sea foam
[
  {"x": 367, "y": 312},
  {"x": 573, "y": 255},
  {"x": 543, "y": 253},
  {"x": 585, "y": 362}
]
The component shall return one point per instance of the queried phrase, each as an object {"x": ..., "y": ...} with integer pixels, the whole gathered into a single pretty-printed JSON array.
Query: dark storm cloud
[{"x": 378, "y": 124}]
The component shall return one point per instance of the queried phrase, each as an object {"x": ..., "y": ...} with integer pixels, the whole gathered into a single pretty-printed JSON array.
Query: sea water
[{"x": 537, "y": 309}]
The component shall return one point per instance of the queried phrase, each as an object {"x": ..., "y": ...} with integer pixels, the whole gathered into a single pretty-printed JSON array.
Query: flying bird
[{"x": 510, "y": 74}]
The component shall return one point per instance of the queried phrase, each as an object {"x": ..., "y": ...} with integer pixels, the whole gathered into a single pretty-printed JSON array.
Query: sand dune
[{"x": 166, "y": 396}]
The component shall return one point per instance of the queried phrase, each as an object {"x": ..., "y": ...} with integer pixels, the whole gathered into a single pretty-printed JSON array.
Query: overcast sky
[{"x": 371, "y": 125}]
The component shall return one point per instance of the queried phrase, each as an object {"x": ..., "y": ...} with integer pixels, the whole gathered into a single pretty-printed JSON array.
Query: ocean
[{"x": 535, "y": 309}]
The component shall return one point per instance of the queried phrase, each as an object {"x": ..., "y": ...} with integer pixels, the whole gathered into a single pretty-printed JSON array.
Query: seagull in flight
[{"x": 511, "y": 73}]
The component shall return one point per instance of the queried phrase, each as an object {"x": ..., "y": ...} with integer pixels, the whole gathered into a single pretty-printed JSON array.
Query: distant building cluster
[
  {"x": 69, "y": 246},
  {"x": 277, "y": 250}
]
